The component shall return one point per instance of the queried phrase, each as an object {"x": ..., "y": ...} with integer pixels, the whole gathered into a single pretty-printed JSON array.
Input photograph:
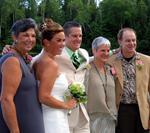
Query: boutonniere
[
  {"x": 113, "y": 71},
  {"x": 88, "y": 66},
  {"x": 28, "y": 59},
  {"x": 139, "y": 64}
]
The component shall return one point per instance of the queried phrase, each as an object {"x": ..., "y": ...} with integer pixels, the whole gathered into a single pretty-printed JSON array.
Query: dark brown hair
[
  {"x": 23, "y": 25},
  {"x": 70, "y": 24}
]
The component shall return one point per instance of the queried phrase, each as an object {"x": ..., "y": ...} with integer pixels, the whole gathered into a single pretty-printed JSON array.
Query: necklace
[{"x": 104, "y": 82}]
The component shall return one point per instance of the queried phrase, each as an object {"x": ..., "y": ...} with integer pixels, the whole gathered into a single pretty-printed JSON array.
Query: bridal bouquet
[{"x": 76, "y": 90}]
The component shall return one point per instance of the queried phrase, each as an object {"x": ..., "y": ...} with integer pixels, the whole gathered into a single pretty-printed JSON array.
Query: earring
[{"x": 15, "y": 42}]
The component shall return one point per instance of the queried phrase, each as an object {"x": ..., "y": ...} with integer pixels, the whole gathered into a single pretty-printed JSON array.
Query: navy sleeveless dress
[{"x": 28, "y": 108}]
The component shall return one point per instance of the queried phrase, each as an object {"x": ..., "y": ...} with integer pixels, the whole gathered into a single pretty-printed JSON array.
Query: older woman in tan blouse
[{"x": 101, "y": 89}]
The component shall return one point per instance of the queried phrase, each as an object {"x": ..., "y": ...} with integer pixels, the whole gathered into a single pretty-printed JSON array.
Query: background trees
[{"x": 104, "y": 19}]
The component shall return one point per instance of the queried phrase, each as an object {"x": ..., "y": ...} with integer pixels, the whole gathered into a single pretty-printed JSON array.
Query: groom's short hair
[{"x": 68, "y": 25}]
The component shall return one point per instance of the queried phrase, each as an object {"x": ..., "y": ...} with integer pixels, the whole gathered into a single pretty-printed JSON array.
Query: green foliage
[
  {"x": 120, "y": 14},
  {"x": 30, "y": 8},
  {"x": 144, "y": 47},
  {"x": 103, "y": 20}
]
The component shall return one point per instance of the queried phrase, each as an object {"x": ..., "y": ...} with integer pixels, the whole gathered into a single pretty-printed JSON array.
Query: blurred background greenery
[{"x": 97, "y": 19}]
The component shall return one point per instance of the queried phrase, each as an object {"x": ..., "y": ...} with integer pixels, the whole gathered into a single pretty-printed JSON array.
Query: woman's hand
[{"x": 71, "y": 104}]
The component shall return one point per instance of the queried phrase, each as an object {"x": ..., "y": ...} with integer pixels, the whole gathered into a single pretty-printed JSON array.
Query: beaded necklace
[{"x": 104, "y": 82}]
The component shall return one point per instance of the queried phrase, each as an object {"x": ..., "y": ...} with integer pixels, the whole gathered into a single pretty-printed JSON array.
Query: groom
[{"x": 78, "y": 120}]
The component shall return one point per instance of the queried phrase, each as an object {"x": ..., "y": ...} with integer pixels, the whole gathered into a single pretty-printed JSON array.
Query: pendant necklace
[{"x": 104, "y": 82}]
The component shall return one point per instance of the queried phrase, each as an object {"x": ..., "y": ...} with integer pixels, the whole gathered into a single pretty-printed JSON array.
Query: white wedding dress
[{"x": 55, "y": 120}]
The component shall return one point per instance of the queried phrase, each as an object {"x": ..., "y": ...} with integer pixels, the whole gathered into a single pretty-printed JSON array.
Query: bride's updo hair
[{"x": 49, "y": 28}]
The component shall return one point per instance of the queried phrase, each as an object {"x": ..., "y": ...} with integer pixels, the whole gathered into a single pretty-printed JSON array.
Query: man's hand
[{"x": 6, "y": 49}]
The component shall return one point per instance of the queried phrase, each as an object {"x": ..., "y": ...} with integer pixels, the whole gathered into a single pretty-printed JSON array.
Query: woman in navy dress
[{"x": 20, "y": 110}]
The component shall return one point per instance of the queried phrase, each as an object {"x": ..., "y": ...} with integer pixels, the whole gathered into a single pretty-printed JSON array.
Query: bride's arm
[{"x": 47, "y": 73}]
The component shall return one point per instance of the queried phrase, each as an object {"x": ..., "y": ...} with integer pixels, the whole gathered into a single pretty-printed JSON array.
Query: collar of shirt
[
  {"x": 70, "y": 52},
  {"x": 120, "y": 56}
]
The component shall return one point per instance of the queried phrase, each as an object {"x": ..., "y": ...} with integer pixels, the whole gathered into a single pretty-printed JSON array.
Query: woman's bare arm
[
  {"x": 47, "y": 73},
  {"x": 11, "y": 77}
]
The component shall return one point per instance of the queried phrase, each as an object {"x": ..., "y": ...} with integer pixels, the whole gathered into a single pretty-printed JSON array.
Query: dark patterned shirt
[{"x": 129, "y": 80}]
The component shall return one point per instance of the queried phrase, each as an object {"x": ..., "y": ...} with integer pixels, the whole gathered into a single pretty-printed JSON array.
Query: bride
[{"x": 52, "y": 83}]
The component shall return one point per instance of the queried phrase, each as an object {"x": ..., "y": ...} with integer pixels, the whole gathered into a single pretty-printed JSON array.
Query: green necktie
[{"x": 75, "y": 60}]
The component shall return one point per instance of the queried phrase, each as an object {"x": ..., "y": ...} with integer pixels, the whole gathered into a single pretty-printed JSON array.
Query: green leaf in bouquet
[{"x": 77, "y": 90}]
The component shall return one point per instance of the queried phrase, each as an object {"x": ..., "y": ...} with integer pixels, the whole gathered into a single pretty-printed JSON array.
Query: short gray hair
[{"x": 97, "y": 42}]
